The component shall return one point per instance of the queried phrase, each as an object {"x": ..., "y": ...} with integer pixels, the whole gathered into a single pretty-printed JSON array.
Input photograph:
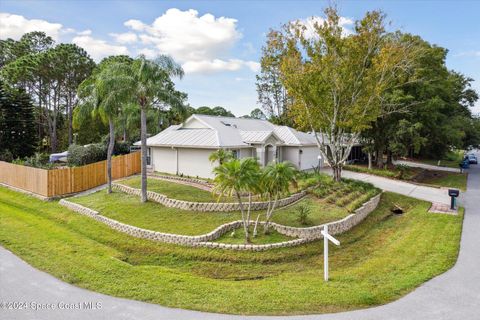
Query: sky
[{"x": 219, "y": 43}]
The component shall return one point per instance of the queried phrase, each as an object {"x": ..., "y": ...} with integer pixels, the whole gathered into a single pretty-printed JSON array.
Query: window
[
  {"x": 149, "y": 157},
  {"x": 235, "y": 154}
]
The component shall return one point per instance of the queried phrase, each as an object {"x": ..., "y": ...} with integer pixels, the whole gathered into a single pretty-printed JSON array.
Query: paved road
[
  {"x": 426, "y": 166},
  {"x": 409, "y": 189},
  {"x": 452, "y": 295}
]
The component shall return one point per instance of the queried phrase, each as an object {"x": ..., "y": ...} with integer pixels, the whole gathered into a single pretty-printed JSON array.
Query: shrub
[
  {"x": 6, "y": 155},
  {"x": 303, "y": 211},
  {"x": 119, "y": 147},
  {"x": 39, "y": 160},
  {"x": 82, "y": 155}
]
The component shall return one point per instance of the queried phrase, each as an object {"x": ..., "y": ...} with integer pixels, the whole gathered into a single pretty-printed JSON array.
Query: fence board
[{"x": 57, "y": 182}]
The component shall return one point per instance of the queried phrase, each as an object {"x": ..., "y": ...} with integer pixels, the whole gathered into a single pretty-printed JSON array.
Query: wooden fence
[{"x": 58, "y": 182}]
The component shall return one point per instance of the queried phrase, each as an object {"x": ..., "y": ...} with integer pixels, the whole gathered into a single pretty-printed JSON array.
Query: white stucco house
[{"x": 185, "y": 148}]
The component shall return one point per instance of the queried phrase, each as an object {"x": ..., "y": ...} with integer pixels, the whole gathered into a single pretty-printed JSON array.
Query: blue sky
[{"x": 219, "y": 42}]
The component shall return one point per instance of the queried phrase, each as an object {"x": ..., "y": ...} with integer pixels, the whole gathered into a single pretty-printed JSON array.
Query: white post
[
  {"x": 327, "y": 237},
  {"x": 325, "y": 253}
]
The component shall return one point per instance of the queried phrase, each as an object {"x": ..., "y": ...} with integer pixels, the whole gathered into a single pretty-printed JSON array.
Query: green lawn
[
  {"x": 174, "y": 190},
  {"x": 238, "y": 236},
  {"x": 380, "y": 260},
  {"x": 432, "y": 178},
  {"x": 452, "y": 159},
  {"x": 452, "y": 180},
  {"x": 153, "y": 216}
]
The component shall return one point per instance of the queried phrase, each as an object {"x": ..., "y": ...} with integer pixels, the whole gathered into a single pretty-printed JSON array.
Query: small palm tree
[
  {"x": 221, "y": 155},
  {"x": 275, "y": 182},
  {"x": 234, "y": 177}
]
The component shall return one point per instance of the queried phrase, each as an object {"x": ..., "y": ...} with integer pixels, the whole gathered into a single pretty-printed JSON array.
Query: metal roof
[{"x": 219, "y": 132}]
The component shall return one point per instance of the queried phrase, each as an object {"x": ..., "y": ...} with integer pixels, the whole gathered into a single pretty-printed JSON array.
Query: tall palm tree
[
  {"x": 97, "y": 95},
  {"x": 221, "y": 155},
  {"x": 148, "y": 84},
  {"x": 234, "y": 177},
  {"x": 275, "y": 180}
]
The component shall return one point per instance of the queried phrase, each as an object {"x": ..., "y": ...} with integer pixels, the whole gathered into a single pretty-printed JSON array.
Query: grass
[
  {"x": 451, "y": 159},
  {"x": 174, "y": 190},
  {"x": 380, "y": 260},
  {"x": 238, "y": 237},
  {"x": 128, "y": 209},
  {"x": 431, "y": 178}
]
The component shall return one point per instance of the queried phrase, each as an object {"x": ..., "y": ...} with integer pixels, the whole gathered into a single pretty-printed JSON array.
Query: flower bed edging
[
  {"x": 204, "y": 206},
  {"x": 304, "y": 234}
]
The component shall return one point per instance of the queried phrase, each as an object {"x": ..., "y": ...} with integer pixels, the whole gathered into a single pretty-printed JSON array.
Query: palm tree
[
  {"x": 148, "y": 84},
  {"x": 221, "y": 155},
  {"x": 234, "y": 177},
  {"x": 275, "y": 181},
  {"x": 97, "y": 95}
]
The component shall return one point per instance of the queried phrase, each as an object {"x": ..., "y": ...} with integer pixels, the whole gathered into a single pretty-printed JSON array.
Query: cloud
[
  {"x": 97, "y": 48},
  {"x": 149, "y": 53},
  {"x": 309, "y": 23},
  {"x": 15, "y": 26},
  {"x": 124, "y": 38},
  {"x": 209, "y": 66},
  {"x": 201, "y": 43},
  {"x": 85, "y": 32},
  {"x": 471, "y": 53}
]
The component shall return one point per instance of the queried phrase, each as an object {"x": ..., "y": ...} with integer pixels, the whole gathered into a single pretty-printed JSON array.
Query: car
[{"x": 472, "y": 159}]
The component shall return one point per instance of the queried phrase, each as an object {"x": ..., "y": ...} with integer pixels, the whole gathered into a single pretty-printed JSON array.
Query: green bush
[
  {"x": 119, "y": 147},
  {"x": 82, "y": 155},
  {"x": 6, "y": 155},
  {"x": 38, "y": 160},
  {"x": 303, "y": 211}
]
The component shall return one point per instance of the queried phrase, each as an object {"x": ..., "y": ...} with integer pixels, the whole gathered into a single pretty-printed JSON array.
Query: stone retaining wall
[
  {"x": 204, "y": 206},
  {"x": 336, "y": 227},
  {"x": 305, "y": 234}
]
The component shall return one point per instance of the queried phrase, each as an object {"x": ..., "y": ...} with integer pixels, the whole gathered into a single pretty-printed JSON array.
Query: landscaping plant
[
  {"x": 275, "y": 182},
  {"x": 235, "y": 177}
]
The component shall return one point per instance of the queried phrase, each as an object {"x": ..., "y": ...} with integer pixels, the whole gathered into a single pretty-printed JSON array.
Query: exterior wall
[
  {"x": 309, "y": 158},
  {"x": 245, "y": 153},
  {"x": 164, "y": 159},
  {"x": 291, "y": 154},
  {"x": 194, "y": 162}
]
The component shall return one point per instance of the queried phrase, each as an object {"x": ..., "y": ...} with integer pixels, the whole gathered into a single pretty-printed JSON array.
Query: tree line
[{"x": 391, "y": 91}]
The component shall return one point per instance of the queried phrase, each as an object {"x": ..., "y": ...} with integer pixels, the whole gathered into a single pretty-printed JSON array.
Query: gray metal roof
[{"x": 224, "y": 132}]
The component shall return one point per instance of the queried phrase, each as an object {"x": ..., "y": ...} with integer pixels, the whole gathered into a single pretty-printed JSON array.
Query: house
[{"x": 185, "y": 148}]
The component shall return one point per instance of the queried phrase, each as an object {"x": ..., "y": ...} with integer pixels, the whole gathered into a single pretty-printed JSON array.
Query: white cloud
[
  {"x": 124, "y": 38},
  {"x": 309, "y": 23},
  {"x": 149, "y": 53},
  {"x": 85, "y": 32},
  {"x": 200, "y": 43},
  {"x": 209, "y": 66},
  {"x": 471, "y": 53},
  {"x": 136, "y": 25},
  {"x": 15, "y": 26},
  {"x": 97, "y": 48}
]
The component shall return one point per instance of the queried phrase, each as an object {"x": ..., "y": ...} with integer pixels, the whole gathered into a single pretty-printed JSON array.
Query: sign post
[{"x": 327, "y": 237}]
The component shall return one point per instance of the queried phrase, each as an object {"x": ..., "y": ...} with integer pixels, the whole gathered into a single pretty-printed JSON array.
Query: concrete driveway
[
  {"x": 408, "y": 189},
  {"x": 452, "y": 295}
]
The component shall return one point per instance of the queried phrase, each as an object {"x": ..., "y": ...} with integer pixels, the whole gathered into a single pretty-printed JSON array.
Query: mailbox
[{"x": 453, "y": 193}]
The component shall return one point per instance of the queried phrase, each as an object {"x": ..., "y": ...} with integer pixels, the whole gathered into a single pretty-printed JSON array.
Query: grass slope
[
  {"x": 153, "y": 216},
  {"x": 380, "y": 260},
  {"x": 173, "y": 190}
]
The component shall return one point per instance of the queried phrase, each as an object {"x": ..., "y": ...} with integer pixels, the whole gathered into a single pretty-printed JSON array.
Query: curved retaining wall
[
  {"x": 305, "y": 234},
  {"x": 204, "y": 206}
]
